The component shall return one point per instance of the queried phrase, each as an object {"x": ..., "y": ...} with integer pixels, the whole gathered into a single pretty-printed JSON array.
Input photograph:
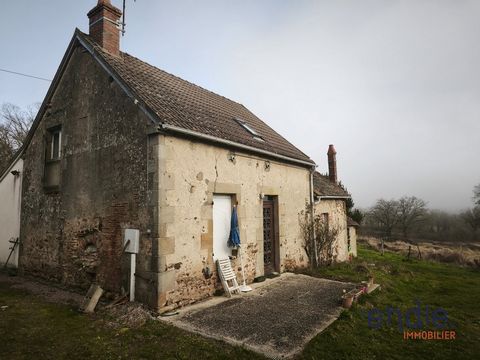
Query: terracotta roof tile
[
  {"x": 351, "y": 222},
  {"x": 322, "y": 186},
  {"x": 180, "y": 103}
]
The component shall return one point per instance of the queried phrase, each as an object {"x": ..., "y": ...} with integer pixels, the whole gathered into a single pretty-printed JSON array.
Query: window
[
  {"x": 250, "y": 129},
  {"x": 53, "y": 153},
  {"x": 56, "y": 142}
]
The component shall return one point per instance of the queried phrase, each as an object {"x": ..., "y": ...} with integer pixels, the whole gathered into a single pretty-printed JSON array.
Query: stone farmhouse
[{"x": 119, "y": 144}]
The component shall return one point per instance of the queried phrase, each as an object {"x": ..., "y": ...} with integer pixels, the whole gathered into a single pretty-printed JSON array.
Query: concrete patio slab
[{"x": 277, "y": 319}]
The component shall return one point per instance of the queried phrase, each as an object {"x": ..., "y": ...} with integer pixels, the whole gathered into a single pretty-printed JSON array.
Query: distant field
[
  {"x": 31, "y": 328},
  {"x": 459, "y": 253}
]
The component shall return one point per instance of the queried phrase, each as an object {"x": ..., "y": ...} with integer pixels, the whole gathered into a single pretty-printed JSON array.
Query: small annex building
[{"x": 330, "y": 205}]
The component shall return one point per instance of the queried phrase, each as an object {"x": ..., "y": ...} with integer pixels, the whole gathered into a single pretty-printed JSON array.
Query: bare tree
[
  {"x": 476, "y": 195},
  {"x": 411, "y": 211},
  {"x": 472, "y": 216},
  {"x": 14, "y": 126},
  {"x": 385, "y": 214},
  {"x": 472, "y": 219}
]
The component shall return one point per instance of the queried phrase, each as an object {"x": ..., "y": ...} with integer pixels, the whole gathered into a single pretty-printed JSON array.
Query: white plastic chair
[{"x": 227, "y": 274}]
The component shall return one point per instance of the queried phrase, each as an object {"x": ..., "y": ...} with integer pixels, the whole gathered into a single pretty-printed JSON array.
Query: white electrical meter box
[{"x": 132, "y": 236}]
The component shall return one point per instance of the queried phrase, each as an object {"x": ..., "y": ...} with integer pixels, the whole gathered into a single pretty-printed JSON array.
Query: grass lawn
[
  {"x": 455, "y": 289},
  {"x": 31, "y": 328}
]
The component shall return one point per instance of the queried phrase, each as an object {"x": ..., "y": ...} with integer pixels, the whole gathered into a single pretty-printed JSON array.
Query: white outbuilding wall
[{"x": 10, "y": 201}]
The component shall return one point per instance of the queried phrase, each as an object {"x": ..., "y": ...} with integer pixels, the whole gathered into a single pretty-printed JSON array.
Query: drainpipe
[
  {"x": 312, "y": 215},
  {"x": 133, "y": 259}
]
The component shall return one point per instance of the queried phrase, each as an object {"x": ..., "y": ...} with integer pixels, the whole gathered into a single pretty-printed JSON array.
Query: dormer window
[{"x": 250, "y": 129}]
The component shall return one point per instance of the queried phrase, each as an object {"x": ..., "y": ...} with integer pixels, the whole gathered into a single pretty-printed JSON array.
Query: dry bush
[
  {"x": 320, "y": 239},
  {"x": 131, "y": 315},
  {"x": 447, "y": 256}
]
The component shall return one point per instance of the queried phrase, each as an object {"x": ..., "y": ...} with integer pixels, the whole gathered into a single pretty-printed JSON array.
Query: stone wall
[
  {"x": 190, "y": 173},
  {"x": 353, "y": 240},
  {"x": 116, "y": 174},
  {"x": 74, "y": 234},
  {"x": 337, "y": 218}
]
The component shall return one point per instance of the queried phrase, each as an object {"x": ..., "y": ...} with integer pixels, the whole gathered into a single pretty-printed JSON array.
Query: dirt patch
[
  {"x": 125, "y": 315},
  {"x": 48, "y": 292}
]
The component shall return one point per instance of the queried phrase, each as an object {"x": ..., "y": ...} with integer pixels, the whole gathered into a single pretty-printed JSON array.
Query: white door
[{"x": 222, "y": 213}]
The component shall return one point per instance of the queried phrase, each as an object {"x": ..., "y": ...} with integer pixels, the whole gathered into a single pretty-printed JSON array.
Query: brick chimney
[
  {"x": 332, "y": 164},
  {"x": 104, "y": 26}
]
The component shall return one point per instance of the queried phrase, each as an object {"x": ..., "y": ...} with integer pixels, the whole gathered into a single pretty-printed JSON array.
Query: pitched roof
[
  {"x": 185, "y": 105},
  {"x": 323, "y": 187},
  {"x": 351, "y": 222}
]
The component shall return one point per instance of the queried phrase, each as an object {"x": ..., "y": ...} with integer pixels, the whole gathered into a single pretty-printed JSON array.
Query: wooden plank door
[{"x": 270, "y": 243}]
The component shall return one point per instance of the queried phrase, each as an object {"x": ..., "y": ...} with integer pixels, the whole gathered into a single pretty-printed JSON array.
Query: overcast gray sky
[{"x": 395, "y": 85}]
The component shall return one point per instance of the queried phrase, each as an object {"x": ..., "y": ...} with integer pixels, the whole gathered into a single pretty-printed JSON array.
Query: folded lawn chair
[{"x": 227, "y": 275}]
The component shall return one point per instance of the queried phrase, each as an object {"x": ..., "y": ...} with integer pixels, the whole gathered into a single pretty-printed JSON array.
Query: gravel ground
[{"x": 276, "y": 320}]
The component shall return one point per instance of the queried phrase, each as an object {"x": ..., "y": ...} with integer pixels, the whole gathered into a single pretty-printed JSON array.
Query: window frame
[
  {"x": 51, "y": 167},
  {"x": 249, "y": 128},
  {"x": 53, "y": 134}
]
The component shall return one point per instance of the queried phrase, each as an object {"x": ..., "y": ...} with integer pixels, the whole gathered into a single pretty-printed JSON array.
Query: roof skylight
[{"x": 250, "y": 129}]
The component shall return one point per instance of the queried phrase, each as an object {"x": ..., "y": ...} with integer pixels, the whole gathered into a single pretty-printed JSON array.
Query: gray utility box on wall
[{"x": 132, "y": 237}]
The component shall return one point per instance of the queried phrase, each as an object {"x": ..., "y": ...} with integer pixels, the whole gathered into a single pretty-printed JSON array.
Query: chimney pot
[
  {"x": 104, "y": 26},
  {"x": 332, "y": 164}
]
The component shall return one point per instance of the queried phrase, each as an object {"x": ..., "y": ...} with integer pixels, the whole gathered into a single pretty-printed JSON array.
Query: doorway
[
  {"x": 271, "y": 251},
  {"x": 222, "y": 214}
]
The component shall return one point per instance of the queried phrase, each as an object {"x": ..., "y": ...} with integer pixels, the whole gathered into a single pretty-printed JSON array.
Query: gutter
[
  {"x": 218, "y": 140},
  {"x": 333, "y": 197}
]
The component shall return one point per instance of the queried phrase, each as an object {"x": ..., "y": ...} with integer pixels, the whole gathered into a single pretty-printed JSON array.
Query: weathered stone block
[
  {"x": 165, "y": 281},
  {"x": 167, "y": 246},
  {"x": 167, "y": 214},
  {"x": 206, "y": 212},
  {"x": 206, "y": 241},
  {"x": 159, "y": 263}
]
